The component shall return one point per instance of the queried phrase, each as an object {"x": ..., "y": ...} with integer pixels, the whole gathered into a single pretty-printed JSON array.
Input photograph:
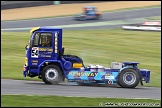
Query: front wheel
[
  {"x": 129, "y": 78},
  {"x": 98, "y": 16},
  {"x": 51, "y": 74},
  {"x": 82, "y": 18}
]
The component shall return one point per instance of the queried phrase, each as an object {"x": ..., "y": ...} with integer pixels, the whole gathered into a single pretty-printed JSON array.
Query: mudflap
[{"x": 145, "y": 74}]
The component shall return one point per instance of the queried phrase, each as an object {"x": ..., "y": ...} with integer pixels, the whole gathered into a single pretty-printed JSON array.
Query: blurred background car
[{"x": 89, "y": 13}]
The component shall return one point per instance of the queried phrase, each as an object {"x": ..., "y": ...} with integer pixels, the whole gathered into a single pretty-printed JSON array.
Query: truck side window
[
  {"x": 46, "y": 39},
  {"x": 36, "y": 37}
]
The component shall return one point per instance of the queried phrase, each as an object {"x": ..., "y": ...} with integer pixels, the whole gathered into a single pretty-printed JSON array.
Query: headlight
[{"x": 26, "y": 61}]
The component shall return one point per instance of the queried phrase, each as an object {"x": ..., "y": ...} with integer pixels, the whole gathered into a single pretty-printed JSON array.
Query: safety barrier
[
  {"x": 152, "y": 25},
  {"x": 142, "y": 27}
]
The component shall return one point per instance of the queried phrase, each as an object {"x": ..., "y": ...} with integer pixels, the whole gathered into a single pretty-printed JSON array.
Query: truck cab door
[{"x": 42, "y": 48}]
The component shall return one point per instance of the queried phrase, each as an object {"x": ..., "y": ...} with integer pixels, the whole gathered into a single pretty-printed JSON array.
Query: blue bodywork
[
  {"x": 90, "y": 14},
  {"x": 54, "y": 55},
  {"x": 107, "y": 76}
]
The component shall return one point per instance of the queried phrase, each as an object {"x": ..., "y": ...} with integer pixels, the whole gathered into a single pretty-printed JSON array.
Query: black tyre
[
  {"x": 52, "y": 74},
  {"x": 98, "y": 16},
  {"x": 82, "y": 18},
  {"x": 128, "y": 78},
  {"x": 118, "y": 83}
]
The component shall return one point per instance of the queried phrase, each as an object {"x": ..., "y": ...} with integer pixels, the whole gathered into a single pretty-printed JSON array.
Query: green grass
[
  {"x": 59, "y": 101},
  {"x": 79, "y": 13},
  {"x": 154, "y": 18},
  {"x": 93, "y": 46}
]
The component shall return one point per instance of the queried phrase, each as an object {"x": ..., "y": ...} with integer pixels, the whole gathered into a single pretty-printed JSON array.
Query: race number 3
[{"x": 34, "y": 53}]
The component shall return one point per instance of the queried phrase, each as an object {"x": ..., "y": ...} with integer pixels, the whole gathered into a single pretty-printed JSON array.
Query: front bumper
[{"x": 25, "y": 70}]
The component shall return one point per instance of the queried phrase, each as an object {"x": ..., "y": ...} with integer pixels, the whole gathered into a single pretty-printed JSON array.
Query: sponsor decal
[
  {"x": 45, "y": 49},
  {"x": 109, "y": 77},
  {"x": 88, "y": 74},
  {"x": 34, "y": 61},
  {"x": 110, "y": 82},
  {"x": 34, "y": 53}
]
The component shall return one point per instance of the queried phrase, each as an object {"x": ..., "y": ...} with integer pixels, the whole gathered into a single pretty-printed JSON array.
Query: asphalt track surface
[
  {"x": 109, "y": 16},
  {"x": 67, "y": 89}
]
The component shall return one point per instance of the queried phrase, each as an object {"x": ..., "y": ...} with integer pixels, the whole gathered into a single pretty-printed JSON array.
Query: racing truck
[
  {"x": 90, "y": 13},
  {"x": 46, "y": 60}
]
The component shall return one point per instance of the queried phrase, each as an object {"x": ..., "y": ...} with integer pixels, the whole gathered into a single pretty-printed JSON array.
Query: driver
[
  {"x": 85, "y": 11},
  {"x": 46, "y": 40}
]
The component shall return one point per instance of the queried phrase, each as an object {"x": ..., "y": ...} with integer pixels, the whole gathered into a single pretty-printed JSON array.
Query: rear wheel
[
  {"x": 129, "y": 78},
  {"x": 51, "y": 74}
]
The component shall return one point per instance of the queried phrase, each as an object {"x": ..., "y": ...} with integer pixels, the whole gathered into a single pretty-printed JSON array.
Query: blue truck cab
[{"x": 45, "y": 59}]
